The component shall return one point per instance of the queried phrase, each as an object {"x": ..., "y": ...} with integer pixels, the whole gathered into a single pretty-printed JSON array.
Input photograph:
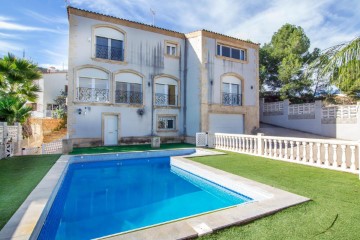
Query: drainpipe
[
  {"x": 185, "y": 80},
  {"x": 152, "y": 104}
]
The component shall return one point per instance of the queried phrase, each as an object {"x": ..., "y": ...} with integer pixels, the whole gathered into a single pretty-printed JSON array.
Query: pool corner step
[{"x": 202, "y": 229}]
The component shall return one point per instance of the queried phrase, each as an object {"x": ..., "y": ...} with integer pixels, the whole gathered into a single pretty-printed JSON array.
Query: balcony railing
[
  {"x": 129, "y": 97},
  {"x": 92, "y": 94},
  {"x": 165, "y": 100},
  {"x": 231, "y": 99},
  {"x": 112, "y": 53}
]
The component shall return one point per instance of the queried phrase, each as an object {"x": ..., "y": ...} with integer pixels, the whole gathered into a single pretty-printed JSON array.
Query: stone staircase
[{"x": 55, "y": 135}]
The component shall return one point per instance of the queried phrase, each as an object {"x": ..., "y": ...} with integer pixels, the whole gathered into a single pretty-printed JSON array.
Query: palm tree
[
  {"x": 13, "y": 109},
  {"x": 340, "y": 64},
  {"x": 17, "y": 78}
]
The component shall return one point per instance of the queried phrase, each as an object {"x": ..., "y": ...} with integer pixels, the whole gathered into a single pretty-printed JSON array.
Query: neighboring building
[
  {"x": 51, "y": 85},
  {"x": 129, "y": 81}
]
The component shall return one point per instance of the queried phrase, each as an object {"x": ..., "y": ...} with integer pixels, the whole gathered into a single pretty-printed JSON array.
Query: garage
[{"x": 226, "y": 123}]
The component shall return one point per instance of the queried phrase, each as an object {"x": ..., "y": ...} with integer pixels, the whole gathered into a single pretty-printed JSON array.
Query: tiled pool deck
[{"x": 268, "y": 201}]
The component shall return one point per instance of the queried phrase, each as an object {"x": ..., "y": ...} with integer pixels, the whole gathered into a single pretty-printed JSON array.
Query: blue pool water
[{"x": 101, "y": 198}]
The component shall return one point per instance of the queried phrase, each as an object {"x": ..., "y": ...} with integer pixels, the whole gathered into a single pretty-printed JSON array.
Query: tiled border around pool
[{"x": 268, "y": 201}]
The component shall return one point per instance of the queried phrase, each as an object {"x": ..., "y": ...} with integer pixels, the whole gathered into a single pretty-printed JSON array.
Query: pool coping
[{"x": 27, "y": 219}]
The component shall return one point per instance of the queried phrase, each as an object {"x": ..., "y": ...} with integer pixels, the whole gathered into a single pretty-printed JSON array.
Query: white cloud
[
  {"x": 9, "y": 36},
  {"x": 6, "y": 24},
  {"x": 46, "y": 19},
  {"x": 6, "y": 47}
]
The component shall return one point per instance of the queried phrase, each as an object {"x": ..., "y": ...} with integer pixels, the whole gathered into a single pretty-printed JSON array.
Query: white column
[
  {"x": 291, "y": 150},
  {"x": 311, "y": 153},
  {"x": 318, "y": 154},
  {"x": 334, "y": 164},
  {"x": 304, "y": 152},
  {"x": 280, "y": 149},
  {"x": 326, "y": 163},
  {"x": 259, "y": 144},
  {"x": 297, "y": 151},
  {"x": 343, "y": 156}
]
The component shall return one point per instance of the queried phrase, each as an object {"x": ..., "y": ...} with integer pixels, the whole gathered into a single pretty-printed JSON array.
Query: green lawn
[
  {"x": 333, "y": 213},
  {"x": 18, "y": 177},
  {"x": 128, "y": 148}
]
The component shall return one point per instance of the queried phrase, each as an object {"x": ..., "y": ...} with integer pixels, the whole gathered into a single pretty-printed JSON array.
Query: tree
[
  {"x": 340, "y": 64},
  {"x": 17, "y": 78},
  {"x": 17, "y": 86},
  {"x": 13, "y": 109},
  {"x": 282, "y": 60}
]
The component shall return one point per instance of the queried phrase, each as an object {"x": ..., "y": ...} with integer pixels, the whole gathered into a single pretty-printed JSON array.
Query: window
[
  {"x": 165, "y": 95},
  {"x": 128, "y": 88},
  {"x": 171, "y": 49},
  {"x": 166, "y": 123},
  {"x": 230, "y": 95},
  {"x": 92, "y": 85},
  {"x": 235, "y": 53},
  {"x": 130, "y": 93},
  {"x": 50, "y": 106},
  {"x": 107, "y": 48}
]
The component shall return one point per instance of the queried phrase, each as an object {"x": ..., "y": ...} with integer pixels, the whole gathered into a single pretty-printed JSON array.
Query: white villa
[
  {"x": 50, "y": 84},
  {"x": 130, "y": 81}
]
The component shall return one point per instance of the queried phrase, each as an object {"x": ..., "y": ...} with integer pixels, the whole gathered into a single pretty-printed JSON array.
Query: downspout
[
  {"x": 152, "y": 104},
  {"x": 185, "y": 80}
]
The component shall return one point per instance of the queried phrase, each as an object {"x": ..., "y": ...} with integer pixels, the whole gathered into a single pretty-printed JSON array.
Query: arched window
[
  {"x": 109, "y": 43},
  {"x": 166, "y": 91},
  {"x": 129, "y": 88},
  {"x": 92, "y": 85},
  {"x": 231, "y": 90}
]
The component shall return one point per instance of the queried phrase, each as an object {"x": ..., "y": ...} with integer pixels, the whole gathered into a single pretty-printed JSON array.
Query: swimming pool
[{"x": 98, "y": 198}]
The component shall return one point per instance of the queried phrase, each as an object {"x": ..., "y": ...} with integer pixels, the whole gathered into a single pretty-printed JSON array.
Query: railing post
[
  {"x": 43, "y": 148},
  {"x": 259, "y": 144}
]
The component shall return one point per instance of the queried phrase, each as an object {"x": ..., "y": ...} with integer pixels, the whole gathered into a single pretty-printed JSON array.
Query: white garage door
[{"x": 226, "y": 123}]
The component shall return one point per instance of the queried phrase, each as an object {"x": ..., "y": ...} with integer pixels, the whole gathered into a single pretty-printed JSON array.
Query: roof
[{"x": 143, "y": 26}]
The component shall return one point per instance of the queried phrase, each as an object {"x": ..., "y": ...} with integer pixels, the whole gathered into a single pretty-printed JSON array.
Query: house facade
[
  {"x": 129, "y": 81},
  {"x": 51, "y": 84}
]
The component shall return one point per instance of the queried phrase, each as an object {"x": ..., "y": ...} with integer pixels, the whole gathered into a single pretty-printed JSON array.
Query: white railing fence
[
  {"x": 273, "y": 107},
  {"x": 345, "y": 111},
  {"x": 300, "y": 109},
  {"x": 46, "y": 148},
  {"x": 324, "y": 153}
]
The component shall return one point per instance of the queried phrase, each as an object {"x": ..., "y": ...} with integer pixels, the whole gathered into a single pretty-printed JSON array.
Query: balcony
[
  {"x": 111, "y": 53},
  {"x": 128, "y": 97},
  {"x": 231, "y": 99},
  {"x": 165, "y": 100},
  {"x": 92, "y": 94}
]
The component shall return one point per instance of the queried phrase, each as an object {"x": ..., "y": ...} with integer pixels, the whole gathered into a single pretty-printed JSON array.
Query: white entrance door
[{"x": 110, "y": 130}]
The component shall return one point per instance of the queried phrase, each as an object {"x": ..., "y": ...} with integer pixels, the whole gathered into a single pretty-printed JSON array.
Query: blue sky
[{"x": 40, "y": 26}]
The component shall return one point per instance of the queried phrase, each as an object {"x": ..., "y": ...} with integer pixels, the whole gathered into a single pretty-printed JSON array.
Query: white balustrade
[
  {"x": 273, "y": 107},
  {"x": 326, "y": 153},
  {"x": 343, "y": 111},
  {"x": 301, "y": 109}
]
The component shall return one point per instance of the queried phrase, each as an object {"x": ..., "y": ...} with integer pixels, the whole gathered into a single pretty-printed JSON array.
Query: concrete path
[{"x": 271, "y": 130}]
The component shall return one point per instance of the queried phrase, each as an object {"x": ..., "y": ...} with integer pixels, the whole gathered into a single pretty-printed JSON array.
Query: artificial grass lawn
[
  {"x": 333, "y": 213},
  {"x": 18, "y": 177},
  {"x": 128, "y": 148}
]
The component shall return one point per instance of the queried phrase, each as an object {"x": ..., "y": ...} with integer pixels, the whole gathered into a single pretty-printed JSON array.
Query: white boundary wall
[
  {"x": 324, "y": 153},
  {"x": 342, "y": 122}
]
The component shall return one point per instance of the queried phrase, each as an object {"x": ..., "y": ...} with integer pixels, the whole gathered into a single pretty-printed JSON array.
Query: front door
[{"x": 110, "y": 130}]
